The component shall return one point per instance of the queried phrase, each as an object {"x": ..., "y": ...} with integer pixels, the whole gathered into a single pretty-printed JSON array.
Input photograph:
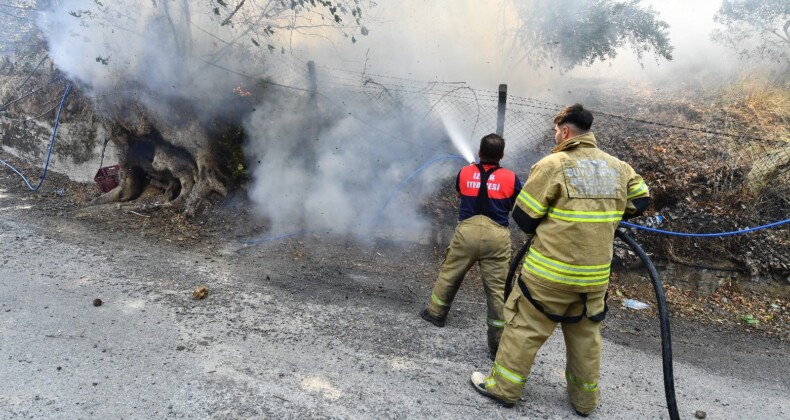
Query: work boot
[
  {"x": 478, "y": 383},
  {"x": 580, "y": 413},
  {"x": 439, "y": 322}
]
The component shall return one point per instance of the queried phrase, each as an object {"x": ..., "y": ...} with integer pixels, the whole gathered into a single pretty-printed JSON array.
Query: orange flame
[{"x": 240, "y": 90}]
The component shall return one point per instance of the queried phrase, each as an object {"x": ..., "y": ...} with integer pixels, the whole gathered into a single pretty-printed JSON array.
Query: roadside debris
[
  {"x": 97, "y": 302},
  {"x": 700, "y": 414},
  {"x": 200, "y": 293},
  {"x": 654, "y": 221},
  {"x": 750, "y": 320},
  {"x": 635, "y": 304}
]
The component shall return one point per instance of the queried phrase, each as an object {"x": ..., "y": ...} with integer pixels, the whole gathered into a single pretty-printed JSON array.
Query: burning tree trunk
[
  {"x": 178, "y": 55},
  {"x": 177, "y": 155}
]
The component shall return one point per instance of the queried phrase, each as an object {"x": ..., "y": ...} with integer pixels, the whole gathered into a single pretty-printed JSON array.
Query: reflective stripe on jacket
[{"x": 581, "y": 193}]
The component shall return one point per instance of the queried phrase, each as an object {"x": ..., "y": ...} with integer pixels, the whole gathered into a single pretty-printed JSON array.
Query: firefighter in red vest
[{"x": 488, "y": 193}]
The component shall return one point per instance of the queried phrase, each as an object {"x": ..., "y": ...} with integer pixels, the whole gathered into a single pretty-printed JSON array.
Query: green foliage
[
  {"x": 755, "y": 29},
  {"x": 570, "y": 33}
]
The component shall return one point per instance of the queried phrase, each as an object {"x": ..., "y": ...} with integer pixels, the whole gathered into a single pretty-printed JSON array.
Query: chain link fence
[
  {"x": 717, "y": 164},
  {"x": 701, "y": 180}
]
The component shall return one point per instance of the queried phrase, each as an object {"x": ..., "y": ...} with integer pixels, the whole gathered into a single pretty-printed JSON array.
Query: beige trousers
[
  {"x": 526, "y": 331},
  {"x": 480, "y": 240}
]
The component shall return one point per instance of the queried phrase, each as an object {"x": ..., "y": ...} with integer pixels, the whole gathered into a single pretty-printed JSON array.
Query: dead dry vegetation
[{"x": 704, "y": 182}]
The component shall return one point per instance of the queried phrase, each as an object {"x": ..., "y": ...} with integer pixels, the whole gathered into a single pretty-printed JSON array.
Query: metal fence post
[
  {"x": 313, "y": 82},
  {"x": 500, "y": 113}
]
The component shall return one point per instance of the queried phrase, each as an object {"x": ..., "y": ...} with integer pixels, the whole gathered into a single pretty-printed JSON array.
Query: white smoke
[
  {"x": 128, "y": 48},
  {"x": 330, "y": 163},
  {"x": 333, "y": 163},
  {"x": 468, "y": 40},
  {"x": 339, "y": 170}
]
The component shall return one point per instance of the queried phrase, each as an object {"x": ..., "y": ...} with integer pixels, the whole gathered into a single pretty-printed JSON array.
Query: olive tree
[
  {"x": 570, "y": 33},
  {"x": 756, "y": 29},
  {"x": 162, "y": 74}
]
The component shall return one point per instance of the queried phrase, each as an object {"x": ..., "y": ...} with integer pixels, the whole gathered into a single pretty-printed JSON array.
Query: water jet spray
[{"x": 458, "y": 138}]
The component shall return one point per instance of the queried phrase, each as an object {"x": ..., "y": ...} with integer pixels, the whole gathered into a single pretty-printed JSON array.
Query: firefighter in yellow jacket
[{"x": 572, "y": 202}]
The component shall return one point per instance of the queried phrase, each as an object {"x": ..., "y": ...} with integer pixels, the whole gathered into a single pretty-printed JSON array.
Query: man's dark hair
[
  {"x": 492, "y": 147},
  {"x": 576, "y": 115}
]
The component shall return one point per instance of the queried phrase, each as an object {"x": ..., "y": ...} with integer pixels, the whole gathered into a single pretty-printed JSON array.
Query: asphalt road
[{"x": 279, "y": 338}]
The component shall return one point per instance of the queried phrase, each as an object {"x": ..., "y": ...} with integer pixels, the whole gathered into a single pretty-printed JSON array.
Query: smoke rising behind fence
[{"x": 325, "y": 161}]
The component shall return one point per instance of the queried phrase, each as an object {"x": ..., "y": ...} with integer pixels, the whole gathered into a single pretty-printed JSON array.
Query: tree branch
[
  {"x": 233, "y": 13},
  {"x": 761, "y": 26},
  {"x": 19, "y": 7}
]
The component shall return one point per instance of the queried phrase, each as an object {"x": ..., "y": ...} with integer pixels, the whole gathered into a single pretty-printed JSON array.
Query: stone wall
[
  {"x": 79, "y": 144},
  {"x": 705, "y": 281}
]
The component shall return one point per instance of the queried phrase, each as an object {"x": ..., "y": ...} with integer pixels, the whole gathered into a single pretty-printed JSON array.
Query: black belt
[{"x": 565, "y": 319}]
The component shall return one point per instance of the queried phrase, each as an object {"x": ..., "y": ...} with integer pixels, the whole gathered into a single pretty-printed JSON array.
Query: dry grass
[{"x": 758, "y": 106}]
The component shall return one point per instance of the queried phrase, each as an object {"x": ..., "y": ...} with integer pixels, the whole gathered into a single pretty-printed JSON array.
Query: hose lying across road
[{"x": 663, "y": 315}]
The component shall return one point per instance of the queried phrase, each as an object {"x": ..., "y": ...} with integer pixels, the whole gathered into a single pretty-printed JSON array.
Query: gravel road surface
[{"x": 299, "y": 328}]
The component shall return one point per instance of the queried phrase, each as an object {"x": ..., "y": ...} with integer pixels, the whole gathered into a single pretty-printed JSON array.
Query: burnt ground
[{"x": 374, "y": 289}]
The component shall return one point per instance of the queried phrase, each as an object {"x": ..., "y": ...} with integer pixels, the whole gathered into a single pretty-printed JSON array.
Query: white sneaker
[{"x": 478, "y": 382}]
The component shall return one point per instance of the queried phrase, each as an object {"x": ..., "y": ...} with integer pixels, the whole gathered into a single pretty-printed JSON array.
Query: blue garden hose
[
  {"x": 706, "y": 235},
  {"x": 49, "y": 152}
]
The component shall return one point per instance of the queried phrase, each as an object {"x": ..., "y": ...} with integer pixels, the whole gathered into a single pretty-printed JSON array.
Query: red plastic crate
[{"x": 108, "y": 178}]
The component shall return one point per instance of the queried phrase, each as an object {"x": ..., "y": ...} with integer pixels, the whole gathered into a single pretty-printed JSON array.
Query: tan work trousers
[
  {"x": 526, "y": 331},
  {"x": 480, "y": 240}
]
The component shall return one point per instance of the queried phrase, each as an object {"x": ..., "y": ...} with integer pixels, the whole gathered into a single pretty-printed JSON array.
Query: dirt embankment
[{"x": 712, "y": 166}]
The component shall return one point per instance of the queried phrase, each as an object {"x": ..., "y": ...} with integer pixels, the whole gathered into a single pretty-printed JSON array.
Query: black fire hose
[
  {"x": 514, "y": 266},
  {"x": 663, "y": 313}
]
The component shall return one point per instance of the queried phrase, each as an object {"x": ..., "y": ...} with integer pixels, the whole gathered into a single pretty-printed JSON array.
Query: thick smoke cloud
[
  {"x": 142, "y": 50},
  {"x": 331, "y": 163},
  {"x": 467, "y": 40},
  {"x": 338, "y": 170}
]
